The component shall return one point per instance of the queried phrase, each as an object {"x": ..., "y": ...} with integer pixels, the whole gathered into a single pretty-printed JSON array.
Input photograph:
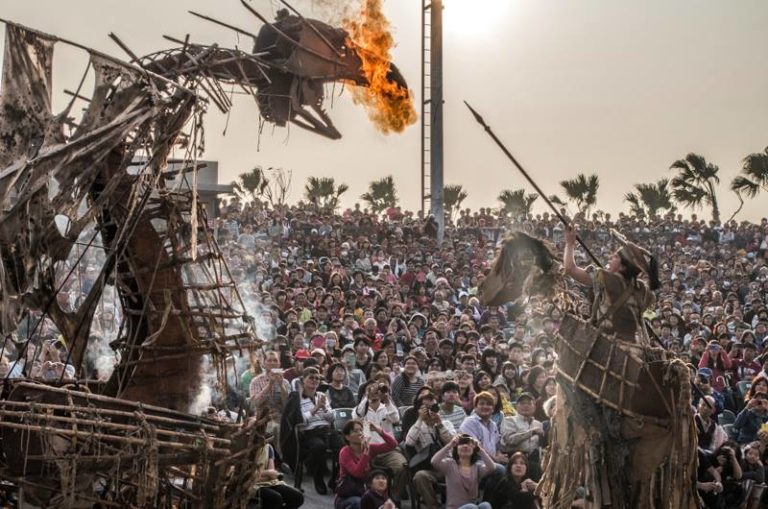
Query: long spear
[{"x": 530, "y": 180}]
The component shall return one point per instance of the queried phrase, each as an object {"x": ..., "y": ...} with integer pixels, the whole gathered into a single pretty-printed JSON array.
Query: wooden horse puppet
[{"x": 623, "y": 425}]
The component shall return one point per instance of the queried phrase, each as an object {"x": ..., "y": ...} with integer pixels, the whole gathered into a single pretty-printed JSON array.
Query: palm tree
[
  {"x": 650, "y": 198},
  {"x": 251, "y": 185},
  {"x": 381, "y": 194},
  {"x": 453, "y": 195},
  {"x": 582, "y": 191},
  {"x": 279, "y": 185},
  {"x": 754, "y": 177},
  {"x": 694, "y": 184},
  {"x": 516, "y": 203},
  {"x": 323, "y": 192},
  {"x": 636, "y": 207}
]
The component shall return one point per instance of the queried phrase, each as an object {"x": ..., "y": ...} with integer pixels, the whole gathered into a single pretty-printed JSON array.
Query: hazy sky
[{"x": 619, "y": 88}]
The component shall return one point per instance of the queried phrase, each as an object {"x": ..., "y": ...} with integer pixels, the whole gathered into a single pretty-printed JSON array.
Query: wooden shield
[{"x": 622, "y": 375}]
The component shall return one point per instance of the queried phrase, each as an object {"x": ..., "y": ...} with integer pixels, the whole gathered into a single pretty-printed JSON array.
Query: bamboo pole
[
  {"x": 106, "y": 411},
  {"x": 110, "y": 438},
  {"x": 106, "y": 424},
  {"x": 106, "y": 399}
]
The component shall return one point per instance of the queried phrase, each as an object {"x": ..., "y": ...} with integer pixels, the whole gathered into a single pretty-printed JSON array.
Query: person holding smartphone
[
  {"x": 718, "y": 361},
  {"x": 749, "y": 420},
  {"x": 377, "y": 411},
  {"x": 311, "y": 409}
]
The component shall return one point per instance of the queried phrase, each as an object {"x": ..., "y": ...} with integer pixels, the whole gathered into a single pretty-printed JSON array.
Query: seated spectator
[
  {"x": 458, "y": 462},
  {"x": 516, "y": 489},
  {"x": 708, "y": 482},
  {"x": 507, "y": 377},
  {"x": 703, "y": 382},
  {"x": 321, "y": 357},
  {"x": 53, "y": 361},
  {"x": 377, "y": 495},
  {"x": 297, "y": 382},
  {"x": 489, "y": 362},
  {"x": 446, "y": 356},
  {"x": 759, "y": 384},
  {"x": 746, "y": 368},
  {"x": 295, "y": 371},
  {"x": 498, "y": 409},
  {"x": 339, "y": 395},
  {"x": 728, "y": 463},
  {"x": 481, "y": 382},
  {"x": 550, "y": 389},
  {"x": 450, "y": 408},
  {"x": 752, "y": 468},
  {"x": 482, "y": 428},
  {"x": 362, "y": 346},
  {"x": 711, "y": 434},
  {"x": 429, "y": 433},
  {"x": 255, "y": 368},
  {"x": 435, "y": 377},
  {"x": 270, "y": 391},
  {"x": 311, "y": 410},
  {"x": 267, "y": 483},
  {"x": 407, "y": 383},
  {"x": 376, "y": 408},
  {"x": 507, "y": 407},
  {"x": 717, "y": 360},
  {"x": 749, "y": 420},
  {"x": 355, "y": 377},
  {"x": 355, "y": 462},
  {"x": 535, "y": 381},
  {"x": 523, "y": 433},
  {"x": 411, "y": 414},
  {"x": 466, "y": 391}
]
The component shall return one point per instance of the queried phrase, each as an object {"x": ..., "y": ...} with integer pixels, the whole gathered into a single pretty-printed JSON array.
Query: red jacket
[
  {"x": 719, "y": 366},
  {"x": 360, "y": 466}
]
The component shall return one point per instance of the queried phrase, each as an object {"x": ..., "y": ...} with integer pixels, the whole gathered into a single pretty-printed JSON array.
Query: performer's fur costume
[{"x": 623, "y": 423}]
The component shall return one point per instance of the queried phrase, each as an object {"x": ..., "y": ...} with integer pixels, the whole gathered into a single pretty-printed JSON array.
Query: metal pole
[
  {"x": 436, "y": 126},
  {"x": 424, "y": 8}
]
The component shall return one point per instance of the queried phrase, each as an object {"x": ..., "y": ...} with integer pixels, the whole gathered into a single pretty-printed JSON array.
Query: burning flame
[{"x": 390, "y": 106}]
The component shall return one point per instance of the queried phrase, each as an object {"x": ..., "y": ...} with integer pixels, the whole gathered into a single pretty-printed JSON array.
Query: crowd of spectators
[
  {"x": 451, "y": 398},
  {"x": 391, "y": 320}
]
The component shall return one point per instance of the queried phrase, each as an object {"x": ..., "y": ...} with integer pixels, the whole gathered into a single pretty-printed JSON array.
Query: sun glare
[{"x": 475, "y": 17}]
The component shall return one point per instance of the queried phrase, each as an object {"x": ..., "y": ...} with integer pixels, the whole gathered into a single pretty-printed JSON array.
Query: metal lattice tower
[{"x": 432, "y": 111}]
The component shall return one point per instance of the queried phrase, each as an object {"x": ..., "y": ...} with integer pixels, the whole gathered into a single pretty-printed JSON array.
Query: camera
[
  {"x": 465, "y": 439},
  {"x": 383, "y": 388},
  {"x": 435, "y": 408}
]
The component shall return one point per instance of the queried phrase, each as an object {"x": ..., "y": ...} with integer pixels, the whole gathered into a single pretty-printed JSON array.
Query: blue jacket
[{"x": 747, "y": 425}]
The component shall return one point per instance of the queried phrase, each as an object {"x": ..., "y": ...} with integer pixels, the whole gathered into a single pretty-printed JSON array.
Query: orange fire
[{"x": 390, "y": 106}]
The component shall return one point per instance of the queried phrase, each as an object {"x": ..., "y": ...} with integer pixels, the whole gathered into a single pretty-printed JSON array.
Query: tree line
[{"x": 693, "y": 185}]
